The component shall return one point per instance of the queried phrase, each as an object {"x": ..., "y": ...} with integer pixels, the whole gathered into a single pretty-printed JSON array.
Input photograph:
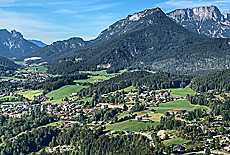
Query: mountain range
[
  {"x": 178, "y": 42},
  {"x": 13, "y": 45},
  {"x": 152, "y": 37},
  {"x": 205, "y": 20},
  {"x": 38, "y": 43}
]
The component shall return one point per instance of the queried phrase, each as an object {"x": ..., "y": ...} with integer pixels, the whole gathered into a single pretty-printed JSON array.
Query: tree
[{"x": 207, "y": 151}]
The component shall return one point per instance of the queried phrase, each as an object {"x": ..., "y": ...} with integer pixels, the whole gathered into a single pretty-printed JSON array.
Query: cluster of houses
[
  {"x": 61, "y": 148},
  {"x": 16, "y": 110}
]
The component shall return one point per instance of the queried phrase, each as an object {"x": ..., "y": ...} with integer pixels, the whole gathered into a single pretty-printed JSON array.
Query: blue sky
[{"x": 52, "y": 20}]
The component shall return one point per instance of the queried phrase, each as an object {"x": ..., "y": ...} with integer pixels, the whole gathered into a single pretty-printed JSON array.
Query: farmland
[
  {"x": 130, "y": 125},
  {"x": 30, "y": 93},
  {"x": 64, "y": 91},
  {"x": 182, "y": 92}
]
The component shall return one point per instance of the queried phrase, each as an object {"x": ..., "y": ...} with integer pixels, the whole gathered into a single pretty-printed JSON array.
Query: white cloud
[{"x": 65, "y": 11}]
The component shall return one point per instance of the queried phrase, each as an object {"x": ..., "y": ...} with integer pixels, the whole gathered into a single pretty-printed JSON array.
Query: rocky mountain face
[
  {"x": 205, "y": 20},
  {"x": 12, "y": 44},
  {"x": 151, "y": 36}
]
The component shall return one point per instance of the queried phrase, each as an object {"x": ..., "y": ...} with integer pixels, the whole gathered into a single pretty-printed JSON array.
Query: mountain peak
[
  {"x": 138, "y": 15},
  {"x": 203, "y": 20},
  {"x": 12, "y": 44},
  {"x": 14, "y": 33}
]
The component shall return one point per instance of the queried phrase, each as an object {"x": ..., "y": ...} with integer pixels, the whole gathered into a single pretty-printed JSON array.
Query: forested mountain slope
[
  {"x": 219, "y": 80},
  {"x": 138, "y": 48}
]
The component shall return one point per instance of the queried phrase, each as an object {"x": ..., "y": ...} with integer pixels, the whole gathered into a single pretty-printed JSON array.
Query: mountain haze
[
  {"x": 38, "y": 43},
  {"x": 205, "y": 20},
  {"x": 12, "y": 44}
]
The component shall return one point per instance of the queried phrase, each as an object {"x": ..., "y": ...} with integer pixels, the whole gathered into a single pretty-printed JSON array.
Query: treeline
[
  {"x": 137, "y": 79},
  {"x": 54, "y": 83},
  {"x": 11, "y": 127},
  {"x": 218, "y": 107},
  {"x": 83, "y": 141},
  {"x": 6, "y": 65},
  {"x": 219, "y": 80}
]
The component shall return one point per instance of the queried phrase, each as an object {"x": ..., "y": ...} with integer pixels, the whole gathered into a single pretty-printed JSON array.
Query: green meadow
[
  {"x": 178, "y": 104},
  {"x": 92, "y": 79},
  {"x": 182, "y": 92},
  {"x": 30, "y": 93},
  {"x": 175, "y": 141},
  {"x": 64, "y": 91},
  {"x": 130, "y": 125}
]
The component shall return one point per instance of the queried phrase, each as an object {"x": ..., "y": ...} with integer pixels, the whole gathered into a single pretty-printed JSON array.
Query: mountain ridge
[
  {"x": 114, "y": 30},
  {"x": 12, "y": 44},
  {"x": 203, "y": 20},
  {"x": 136, "y": 48},
  {"x": 37, "y": 42}
]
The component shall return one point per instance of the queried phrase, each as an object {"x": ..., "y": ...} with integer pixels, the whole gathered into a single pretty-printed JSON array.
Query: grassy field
[
  {"x": 92, "y": 79},
  {"x": 122, "y": 115},
  {"x": 151, "y": 116},
  {"x": 11, "y": 102},
  {"x": 179, "y": 104},
  {"x": 175, "y": 141},
  {"x": 181, "y": 92},
  {"x": 128, "y": 89},
  {"x": 202, "y": 107},
  {"x": 64, "y": 91},
  {"x": 87, "y": 99},
  {"x": 20, "y": 62},
  {"x": 130, "y": 125},
  {"x": 51, "y": 124},
  {"x": 30, "y": 93}
]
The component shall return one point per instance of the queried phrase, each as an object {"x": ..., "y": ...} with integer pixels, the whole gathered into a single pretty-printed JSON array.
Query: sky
[{"x": 53, "y": 20}]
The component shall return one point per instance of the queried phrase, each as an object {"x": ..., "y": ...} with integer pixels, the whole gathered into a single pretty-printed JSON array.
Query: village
[{"x": 68, "y": 111}]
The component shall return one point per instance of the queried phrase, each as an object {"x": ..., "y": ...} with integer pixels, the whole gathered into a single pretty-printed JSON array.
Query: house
[
  {"x": 227, "y": 148},
  {"x": 196, "y": 120},
  {"x": 145, "y": 119},
  {"x": 128, "y": 132},
  {"x": 178, "y": 148},
  {"x": 94, "y": 122},
  {"x": 137, "y": 118}
]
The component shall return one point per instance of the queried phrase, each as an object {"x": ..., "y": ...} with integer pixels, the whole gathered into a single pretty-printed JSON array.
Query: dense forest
[
  {"x": 11, "y": 127},
  {"x": 7, "y": 65},
  {"x": 84, "y": 142},
  {"x": 219, "y": 80}
]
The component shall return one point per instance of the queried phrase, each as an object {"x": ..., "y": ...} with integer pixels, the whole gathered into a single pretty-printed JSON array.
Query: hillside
[
  {"x": 205, "y": 20},
  {"x": 6, "y": 64},
  {"x": 219, "y": 80},
  {"x": 12, "y": 44},
  {"x": 196, "y": 59},
  {"x": 138, "y": 48}
]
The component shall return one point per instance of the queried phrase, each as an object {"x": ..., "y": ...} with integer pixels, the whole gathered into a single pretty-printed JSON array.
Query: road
[
  {"x": 203, "y": 152},
  {"x": 148, "y": 136}
]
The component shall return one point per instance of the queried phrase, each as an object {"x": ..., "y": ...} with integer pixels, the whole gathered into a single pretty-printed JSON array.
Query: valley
[{"x": 148, "y": 84}]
